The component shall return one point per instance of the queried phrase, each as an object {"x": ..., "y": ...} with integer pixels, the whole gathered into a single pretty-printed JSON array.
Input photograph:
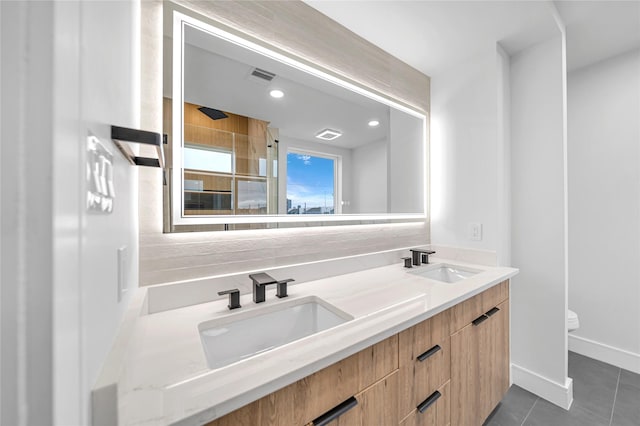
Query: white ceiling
[
  {"x": 597, "y": 30},
  {"x": 218, "y": 75},
  {"x": 431, "y": 36},
  {"x": 434, "y": 35}
]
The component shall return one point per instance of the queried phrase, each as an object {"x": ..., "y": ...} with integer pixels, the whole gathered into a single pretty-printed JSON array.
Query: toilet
[{"x": 572, "y": 321}]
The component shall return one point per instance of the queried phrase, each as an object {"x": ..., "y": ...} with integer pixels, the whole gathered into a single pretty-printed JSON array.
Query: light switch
[{"x": 475, "y": 231}]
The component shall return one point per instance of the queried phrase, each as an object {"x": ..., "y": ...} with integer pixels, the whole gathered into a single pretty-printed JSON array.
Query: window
[
  {"x": 207, "y": 159},
  {"x": 311, "y": 183}
]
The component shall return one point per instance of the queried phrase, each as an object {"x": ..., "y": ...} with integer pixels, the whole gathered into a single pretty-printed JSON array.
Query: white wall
[
  {"x": 464, "y": 152},
  {"x": 604, "y": 209},
  {"x": 503, "y": 217},
  {"x": 26, "y": 228},
  {"x": 538, "y": 293},
  {"x": 369, "y": 177},
  {"x": 109, "y": 94},
  {"x": 79, "y": 71},
  {"x": 407, "y": 156}
]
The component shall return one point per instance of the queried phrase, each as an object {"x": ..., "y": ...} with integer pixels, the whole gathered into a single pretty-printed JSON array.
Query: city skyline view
[{"x": 310, "y": 183}]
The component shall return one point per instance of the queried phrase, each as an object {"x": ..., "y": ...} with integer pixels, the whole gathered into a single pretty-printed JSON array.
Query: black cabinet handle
[
  {"x": 428, "y": 353},
  {"x": 429, "y": 401},
  {"x": 482, "y": 318},
  {"x": 492, "y": 311},
  {"x": 336, "y": 412}
]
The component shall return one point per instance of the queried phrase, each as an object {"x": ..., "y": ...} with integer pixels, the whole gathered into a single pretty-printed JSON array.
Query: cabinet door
[
  {"x": 480, "y": 366},
  {"x": 435, "y": 410},
  {"x": 494, "y": 378},
  {"x": 465, "y": 376}
]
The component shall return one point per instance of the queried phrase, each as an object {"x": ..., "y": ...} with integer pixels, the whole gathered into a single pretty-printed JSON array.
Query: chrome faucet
[{"x": 261, "y": 280}]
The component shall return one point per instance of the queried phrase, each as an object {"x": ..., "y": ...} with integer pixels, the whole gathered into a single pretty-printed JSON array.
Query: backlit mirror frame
[{"x": 178, "y": 218}]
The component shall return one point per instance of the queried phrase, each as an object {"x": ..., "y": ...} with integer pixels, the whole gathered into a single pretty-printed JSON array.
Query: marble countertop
[{"x": 167, "y": 379}]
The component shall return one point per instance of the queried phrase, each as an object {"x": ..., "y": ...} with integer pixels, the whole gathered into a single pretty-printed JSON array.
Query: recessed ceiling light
[
  {"x": 276, "y": 93},
  {"x": 328, "y": 134},
  {"x": 374, "y": 123}
]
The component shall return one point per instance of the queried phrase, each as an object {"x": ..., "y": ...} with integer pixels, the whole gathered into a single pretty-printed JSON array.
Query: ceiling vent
[
  {"x": 265, "y": 75},
  {"x": 214, "y": 114},
  {"x": 328, "y": 134}
]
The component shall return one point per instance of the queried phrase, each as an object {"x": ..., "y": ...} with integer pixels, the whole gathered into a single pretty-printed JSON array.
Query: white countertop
[{"x": 167, "y": 378}]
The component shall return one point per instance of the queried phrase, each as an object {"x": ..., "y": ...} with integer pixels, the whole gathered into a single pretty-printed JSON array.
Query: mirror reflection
[{"x": 261, "y": 138}]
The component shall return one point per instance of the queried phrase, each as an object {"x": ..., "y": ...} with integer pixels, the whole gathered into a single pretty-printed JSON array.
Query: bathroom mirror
[{"x": 261, "y": 138}]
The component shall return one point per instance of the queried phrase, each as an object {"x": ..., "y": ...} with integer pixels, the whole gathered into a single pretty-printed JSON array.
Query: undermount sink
[
  {"x": 445, "y": 273},
  {"x": 245, "y": 334}
]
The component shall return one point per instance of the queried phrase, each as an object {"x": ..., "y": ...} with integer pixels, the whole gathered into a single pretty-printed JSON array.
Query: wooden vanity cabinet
[
  {"x": 451, "y": 369},
  {"x": 366, "y": 375},
  {"x": 480, "y": 356}
]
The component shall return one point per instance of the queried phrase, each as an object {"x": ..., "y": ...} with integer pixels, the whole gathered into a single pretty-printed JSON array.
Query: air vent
[
  {"x": 328, "y": 134},
  {"x": 265, "y": 75},
  {"x": 214, "y": 114}
]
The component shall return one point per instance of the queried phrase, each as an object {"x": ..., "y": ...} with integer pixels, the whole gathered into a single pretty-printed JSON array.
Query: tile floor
[{"x": 603, "y": 395}]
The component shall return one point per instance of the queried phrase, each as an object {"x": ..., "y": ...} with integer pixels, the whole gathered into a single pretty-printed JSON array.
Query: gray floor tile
[
  {"x": 513, "y": 408},
  {"x": 545, "y": 413},
  {"x": 594, "y": 390},
  {"x": 630, "y": 378},
  {"x": 594, "y": 386},
  {"x": 627, "y": 407}
]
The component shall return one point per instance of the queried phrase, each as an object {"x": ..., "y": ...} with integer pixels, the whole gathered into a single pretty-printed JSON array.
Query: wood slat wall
[
  {"x": 297, "y": 29},
  {"x": 233, "y": 123}
]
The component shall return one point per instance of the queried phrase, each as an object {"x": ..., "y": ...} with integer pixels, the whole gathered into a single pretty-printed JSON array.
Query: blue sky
[{"x": 310, "y": 180}]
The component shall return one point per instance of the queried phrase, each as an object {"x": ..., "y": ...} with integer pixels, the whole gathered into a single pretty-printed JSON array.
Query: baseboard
[
  {"x": 605, "y": 353},
  {"x": 556, "y": 393}
]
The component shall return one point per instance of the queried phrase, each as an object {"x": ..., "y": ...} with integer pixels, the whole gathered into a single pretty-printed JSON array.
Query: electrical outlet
[
  {"x": 123, "y": 272},
  {"x": 475, "y": 231}
]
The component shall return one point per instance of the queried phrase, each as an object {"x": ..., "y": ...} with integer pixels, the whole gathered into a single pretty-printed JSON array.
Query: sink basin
[
  {"x": 245, "y": 334},
  {"x": 445, "y": 273}
]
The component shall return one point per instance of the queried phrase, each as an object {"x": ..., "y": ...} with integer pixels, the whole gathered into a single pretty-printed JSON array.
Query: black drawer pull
[
  {"x": 428, "y": 353},
  {"x": 492, "y": 311},
  {"x": 429, "y": 401},
  {"x": 336, "y": 412},
  {"x": 482, "y": 318}
]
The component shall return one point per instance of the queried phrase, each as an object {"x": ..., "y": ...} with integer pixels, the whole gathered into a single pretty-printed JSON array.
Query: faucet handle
[
  {"x": 407, "y": 262},
  {"x": 234, "y": 298},
  {"x": 425, "y": 256},
  {"x": 282, "y": 287}
]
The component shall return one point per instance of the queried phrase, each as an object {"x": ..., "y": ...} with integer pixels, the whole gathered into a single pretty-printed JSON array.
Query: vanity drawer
[
  {"x": 303, "y": 401},
  {"x": 376, "y": 405},
  {"x": 435, "y": 410},
  {"x": 318, "y": 393},
  {"x": 425, "y": 360},
  {"x": 463, "y": 313}
]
